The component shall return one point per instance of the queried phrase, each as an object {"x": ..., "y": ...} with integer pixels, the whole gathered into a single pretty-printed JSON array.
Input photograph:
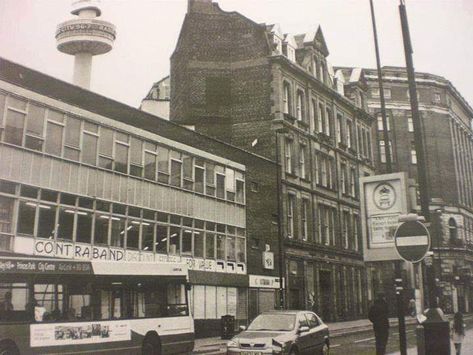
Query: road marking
[
  {"x": 335, "y": 345},
  {"x": 362, "y": 340}
]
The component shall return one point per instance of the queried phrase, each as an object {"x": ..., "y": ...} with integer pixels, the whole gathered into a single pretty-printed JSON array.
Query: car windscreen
[{"x": 273, "y": 322}]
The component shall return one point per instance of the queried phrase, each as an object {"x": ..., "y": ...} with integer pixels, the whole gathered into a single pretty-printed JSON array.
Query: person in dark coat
[{"x": 378, "y": 315}]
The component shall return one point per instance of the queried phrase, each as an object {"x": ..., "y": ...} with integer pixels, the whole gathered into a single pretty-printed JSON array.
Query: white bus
[{"x": 58, "y": 306}]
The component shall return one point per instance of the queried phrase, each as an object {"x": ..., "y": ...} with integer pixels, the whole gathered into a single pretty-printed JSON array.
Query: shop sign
[
  {"x": 268, "y": 260},
  {"x": 54, "y": 334},
  {"x": 260, "y": 281}
]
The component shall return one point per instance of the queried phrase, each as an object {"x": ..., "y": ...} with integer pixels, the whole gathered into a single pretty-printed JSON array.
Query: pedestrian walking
[
  {"x": 458, "y": 332},
  {"x": 378, "y": 315}
]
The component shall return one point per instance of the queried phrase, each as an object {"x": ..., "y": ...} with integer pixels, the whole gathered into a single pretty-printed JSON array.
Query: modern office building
[
  {"x": 447, "y": 130},
  {"x": 86, "y": 177},
  {"x": 275, "y": 94}
]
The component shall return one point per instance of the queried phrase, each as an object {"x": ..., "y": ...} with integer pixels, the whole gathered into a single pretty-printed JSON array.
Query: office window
[
  {"x": 314, "y": 115},
  {"x": 117, "y": 235},
  {"x": 291, "y": 205},
  {"x": 161, "y": 239},
  {"x": 34, "y": 127},
  {"x": 187, "y": 172},
  {"x": 209, "y": 245},
  {"x": 54, "y": 133},
  {"x": 163, "y": 165},
  {"x": 328, "y": 119},
  {"x": 353, "y": 182},
  {"x": 14, "y": 126},
  {"x": 382, "y": 151},
  {"x": 198, "y": 244},
  {"x": 47, "y": 218},
  {"x": 302, "y": 162},
  {"x": 339, "y": 128},
  {"x": 136, "y": 157},
  {"x": 65, "y": 228},
  {"x": 413, "y": 154},
  {"x": 286, "y": 98},
  {"x": 240, "y": 190},
  {"x": 220, "y": 247},
  {"x": 349, "y": 133},
  {"x": 186, "y": 242},
  {"x": 102, "y": 222},
  {"x": 176, "y": 173},
  {"x": 231, "y": 248},
  {"x": 150, "y": 165},
  {"x": 26, "y": 218},
  {"x": 199, "y": 174},
  {"x": 300, "y": 106},
  {"x": 210, "y": 179},
  {"x": 147, "y": 236},
  {"x": 344, "y": 177},
  {"x": 288, "y": 155},
  {"x": 106, "y": 148},
  {"x": 174, "y": 240},
  {"x": 89, "y": 148},
  {"x": 230, "y": 184},
  {"x": 84, "y": 227},
  {"x": 321, "y": 118},
  {"x": 220, "y": 185},
  {"x": 380, "y": 123},
  {"x": 410, "y": 124},
  {"x": 304, "y": 218}
]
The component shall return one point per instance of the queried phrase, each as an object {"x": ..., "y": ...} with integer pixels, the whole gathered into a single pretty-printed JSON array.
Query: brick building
[
  {"x": 447, "y": 129},
  {"x": 79, "y": 171},
  {"x": 268, "y": 92}
]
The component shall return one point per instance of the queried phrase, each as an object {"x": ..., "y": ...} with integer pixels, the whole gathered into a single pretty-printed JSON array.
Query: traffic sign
[{"x": 412, "y": 240}]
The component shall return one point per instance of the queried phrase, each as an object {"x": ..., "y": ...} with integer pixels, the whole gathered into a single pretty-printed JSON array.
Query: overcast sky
[{"x": 441, "y": 31}]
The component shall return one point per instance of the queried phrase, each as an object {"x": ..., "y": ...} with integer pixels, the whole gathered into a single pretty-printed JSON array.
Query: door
[{"x": 325, "y": 286}]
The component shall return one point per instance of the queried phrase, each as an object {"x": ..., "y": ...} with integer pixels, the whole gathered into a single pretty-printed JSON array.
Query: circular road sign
[{"x": 412, "y": 240}]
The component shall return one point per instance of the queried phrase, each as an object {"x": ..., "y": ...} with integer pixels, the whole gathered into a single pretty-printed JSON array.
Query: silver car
[{"x": 282, "y": 332}]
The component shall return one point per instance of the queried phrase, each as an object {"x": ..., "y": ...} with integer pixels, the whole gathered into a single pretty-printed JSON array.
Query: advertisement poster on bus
[{"x": 52, "y": 334}]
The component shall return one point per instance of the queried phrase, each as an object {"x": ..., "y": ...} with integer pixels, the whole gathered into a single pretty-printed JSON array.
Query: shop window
[
  {"x": 54, "y": 133},
  {"x": 174, "y": 240},
  {"x": 220, "y": 247},
  {"x": 14, "y": 126},
  {"x": 132, "y": 234},
  {"x": 101, "y": 229},
  {"x": 47, "y": 218},
  {"x": 210, "y": 245},
  {"x": 84, "y": 227},
  {"x": 26, "y": 217},
  {"x": 161, "y": 239},
  {"x": 65, "y": 226}
]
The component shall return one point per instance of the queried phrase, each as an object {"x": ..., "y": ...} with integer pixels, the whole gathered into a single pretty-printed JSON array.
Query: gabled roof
[
  {"x": 290, "y": 40},
  {"x": 276, "y": 29},
  {"x": 314, "y": 38}
]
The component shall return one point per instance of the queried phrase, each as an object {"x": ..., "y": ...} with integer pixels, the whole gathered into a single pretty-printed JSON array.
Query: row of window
[
  {"x": 321, "y": 116},
  {"x": 53, "y": 132},
  {"x": 463, "y": 153},
  {"x": 324, "y": 168},
  {"x": 410, "y": 124},
  {"x": 322, "y": 224},
  {"x": 382, "y": 152},
  {"x": 375, "y": 93},
  {"x": 59, "y": 216}
]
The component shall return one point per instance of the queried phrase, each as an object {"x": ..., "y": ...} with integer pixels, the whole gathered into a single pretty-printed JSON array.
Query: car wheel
[{"x": 325, "y": 349}]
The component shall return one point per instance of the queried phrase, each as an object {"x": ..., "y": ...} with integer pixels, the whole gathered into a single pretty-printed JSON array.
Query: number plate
[{"x": 251, "y": 353}]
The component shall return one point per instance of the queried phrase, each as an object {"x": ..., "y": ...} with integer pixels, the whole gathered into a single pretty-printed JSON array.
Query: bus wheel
[
  {"x": 151, "y": 345},
  {"x": 8, "y": 348}
]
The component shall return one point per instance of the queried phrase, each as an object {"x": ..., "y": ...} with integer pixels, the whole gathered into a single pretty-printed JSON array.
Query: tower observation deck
[{"x": 85, "y": 37}]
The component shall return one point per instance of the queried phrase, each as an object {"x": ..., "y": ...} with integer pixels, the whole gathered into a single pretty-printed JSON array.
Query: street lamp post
[{"x": 277, "y": 126}]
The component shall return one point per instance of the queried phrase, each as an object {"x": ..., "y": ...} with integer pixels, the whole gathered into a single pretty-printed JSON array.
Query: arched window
[
  {"x": 452, "y": 229},
  {"x": 300, "y": 105},
  {"x": 286, "y": 98}
]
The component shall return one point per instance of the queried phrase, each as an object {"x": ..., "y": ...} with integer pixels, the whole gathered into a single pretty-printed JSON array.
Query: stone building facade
[
  {"x": 276, "y": 95},
  {"x": 447, "y": 129}
]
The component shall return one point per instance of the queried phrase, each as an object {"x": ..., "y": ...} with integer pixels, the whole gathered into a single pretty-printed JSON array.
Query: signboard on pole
[
  {"x": 412, "y": 240},
  {"x": 383, "y": 199}
]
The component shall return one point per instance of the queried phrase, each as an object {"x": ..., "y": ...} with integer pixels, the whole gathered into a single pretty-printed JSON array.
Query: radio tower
[{"x": 85, "y": 37}]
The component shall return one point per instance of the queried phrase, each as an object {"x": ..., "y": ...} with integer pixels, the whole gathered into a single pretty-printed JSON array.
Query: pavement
[{"x": 215, "y": 345}]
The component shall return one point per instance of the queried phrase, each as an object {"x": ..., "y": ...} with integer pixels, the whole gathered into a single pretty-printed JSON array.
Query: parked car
[{"x": 282, "y": 332}]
